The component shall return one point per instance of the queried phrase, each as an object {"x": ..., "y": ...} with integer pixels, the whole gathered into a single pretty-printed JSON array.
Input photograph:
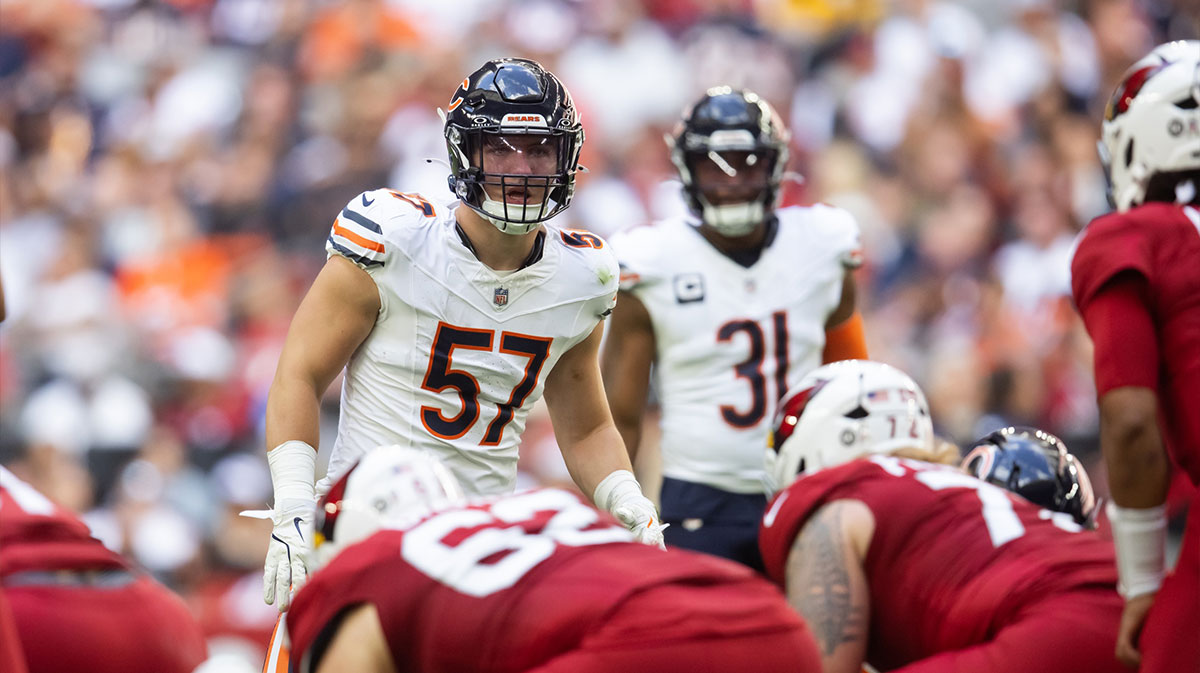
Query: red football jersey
[
  {"x": 12, "y": 659},
  {"x": 36, "y": 534},
  {"x": 1161, "y": 242},
  {"x": 510, "y": 583},
  {"x": 952, "y": 558}
]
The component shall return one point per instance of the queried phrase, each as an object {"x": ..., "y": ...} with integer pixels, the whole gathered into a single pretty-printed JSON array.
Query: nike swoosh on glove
[
  {"x": 286, "y": 568},
  {"x": 643, "y": 521}
]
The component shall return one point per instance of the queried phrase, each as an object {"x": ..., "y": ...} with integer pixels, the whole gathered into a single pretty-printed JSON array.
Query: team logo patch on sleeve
[{"x": 689, "y": 287}]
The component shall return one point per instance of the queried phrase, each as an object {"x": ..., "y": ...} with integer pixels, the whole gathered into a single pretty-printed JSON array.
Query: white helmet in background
[
  {"x": 1152, "y": 122},
  {"x": 842, "y": 411},
  {"x": 389, "y": 487}
]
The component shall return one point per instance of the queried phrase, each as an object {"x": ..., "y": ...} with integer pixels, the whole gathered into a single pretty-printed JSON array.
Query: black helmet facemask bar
[{"x": 551, "y": 184}]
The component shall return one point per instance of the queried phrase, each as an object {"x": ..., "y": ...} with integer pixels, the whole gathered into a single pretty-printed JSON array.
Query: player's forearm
[
  {"x": 1132, "y": 446},
  {"x": 595, "y": 456},
  {"x": 293, "y": 413},
  {"x": 1137, "y": 477},
  {"x": 630, "y": 431},
  {"x": 629, "y": 349},
  {"x": 626, "y": 393}
]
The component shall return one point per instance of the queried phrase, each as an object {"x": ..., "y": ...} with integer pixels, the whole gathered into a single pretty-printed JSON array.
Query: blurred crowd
[{"x": 169, "y": 171}]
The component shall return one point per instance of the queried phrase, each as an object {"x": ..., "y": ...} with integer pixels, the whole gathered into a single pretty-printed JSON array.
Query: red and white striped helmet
[
  {"x": 1152, "y": 122},
  {"x": 842, "y": 411},
  {"x": 389, "y": 487}
]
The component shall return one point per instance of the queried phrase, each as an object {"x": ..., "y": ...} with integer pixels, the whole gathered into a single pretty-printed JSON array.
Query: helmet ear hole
[
  {"x": 848, "y": 436},
  {"x": 1129, "y": 153}
]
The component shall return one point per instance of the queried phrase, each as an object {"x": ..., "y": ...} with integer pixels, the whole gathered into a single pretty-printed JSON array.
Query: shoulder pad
[
  {"x": 836, "y": 230},
  {"x": 1107, "y": 246},
  {"x": 589, "y": 246},
  {"x": 594, "y": 257},
  {"x": 359, "y": 231},
  {"x": 636, "y": 249}
]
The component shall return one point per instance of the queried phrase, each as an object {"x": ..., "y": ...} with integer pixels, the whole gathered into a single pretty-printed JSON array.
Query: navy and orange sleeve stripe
[{"x": 357, "y": 238}]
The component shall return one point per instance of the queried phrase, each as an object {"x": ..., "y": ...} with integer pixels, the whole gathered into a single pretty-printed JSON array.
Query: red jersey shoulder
[
  {"x": 1129, "y": 241},
  {"x": 26, "y": 513},
  {"x": 361, "y": 573},
  {"x": 36, "y": 534},
  {"x": 1109, "y": 245},
  {"x": 786, "y": 514}
]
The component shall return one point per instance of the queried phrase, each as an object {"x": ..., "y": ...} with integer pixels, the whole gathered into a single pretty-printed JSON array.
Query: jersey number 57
[{"x": 441, "y": 376}]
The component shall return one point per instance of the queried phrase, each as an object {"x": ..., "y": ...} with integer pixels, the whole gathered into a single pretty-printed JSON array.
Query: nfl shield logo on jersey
[{"x": 501, "y": 296}]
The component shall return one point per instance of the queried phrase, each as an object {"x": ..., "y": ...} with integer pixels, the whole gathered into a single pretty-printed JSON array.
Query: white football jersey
[
  {"x": 459, "y": 353},
  {"x": 731, "y": 339}
]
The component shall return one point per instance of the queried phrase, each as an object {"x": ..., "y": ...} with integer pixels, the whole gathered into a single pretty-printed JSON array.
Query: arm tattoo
[{"x": 817, "y": 567}]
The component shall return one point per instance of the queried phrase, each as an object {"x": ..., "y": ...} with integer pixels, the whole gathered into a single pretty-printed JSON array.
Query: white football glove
[
  {"x": 292, "y": 466},
  {"x": 287, "y": 558},
  {"x": 644, "y": 523},
  {"x": 620, "y": 494}
]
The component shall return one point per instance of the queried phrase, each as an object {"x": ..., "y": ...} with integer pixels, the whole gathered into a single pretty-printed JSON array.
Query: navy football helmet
[
  {"x": 517, "y": 106},
  {"x": 740, "y": 134},
  {"x": 1037, "y": 466}
]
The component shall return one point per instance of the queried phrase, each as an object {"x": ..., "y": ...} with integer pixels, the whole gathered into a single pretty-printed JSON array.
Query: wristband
[
  {"x": 293, "y": 467},
  {"x": 1140, "y": 536},
  {"x": 615, "y": 489}
]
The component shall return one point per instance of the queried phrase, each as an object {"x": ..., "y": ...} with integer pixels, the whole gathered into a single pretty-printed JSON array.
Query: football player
[
  {"x": 451, "y": 322},
  {"x": 730, "y": 304},
  {"x": 1037, "y": 466},
  {"x": 78, "y": 606},
  {"x": 413, "y": 577},
  {"x": 1135, "y": 277},
  {"x": 897, "y": 558}
]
